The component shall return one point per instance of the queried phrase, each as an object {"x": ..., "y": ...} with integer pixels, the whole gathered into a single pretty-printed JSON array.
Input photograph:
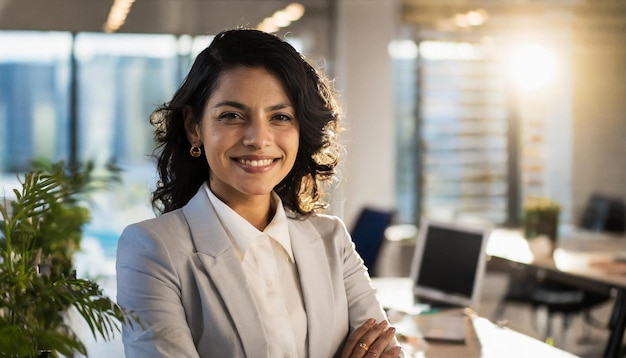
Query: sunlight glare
[{"x": 533, "y": 67}]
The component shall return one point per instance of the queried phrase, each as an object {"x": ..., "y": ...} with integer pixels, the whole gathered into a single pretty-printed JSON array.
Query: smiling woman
[
  {"x": 241, "y": 249},
  {"x": 250, "y": 134}
]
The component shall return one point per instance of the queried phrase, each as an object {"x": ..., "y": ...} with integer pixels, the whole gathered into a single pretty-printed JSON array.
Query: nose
[{"x": 258, "y": 134}]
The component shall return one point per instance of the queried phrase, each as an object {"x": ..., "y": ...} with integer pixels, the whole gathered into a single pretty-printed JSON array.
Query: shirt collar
[{"x": 241, "y": 232}]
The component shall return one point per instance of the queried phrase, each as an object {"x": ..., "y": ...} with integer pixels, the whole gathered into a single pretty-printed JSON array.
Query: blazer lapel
[
  {"x": 316, "y": 283},
  {"x": 218, "y": 256}
]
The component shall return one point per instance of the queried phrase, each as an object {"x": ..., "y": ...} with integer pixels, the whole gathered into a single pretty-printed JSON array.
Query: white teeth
[{"x": 256, "y": 163}]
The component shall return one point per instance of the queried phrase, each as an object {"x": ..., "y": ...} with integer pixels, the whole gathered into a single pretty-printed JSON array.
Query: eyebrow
[{"x": 244, "y": 107}]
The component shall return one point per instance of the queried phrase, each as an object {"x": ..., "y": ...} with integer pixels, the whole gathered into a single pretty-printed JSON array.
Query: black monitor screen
[{"x": 450, "y": 260}]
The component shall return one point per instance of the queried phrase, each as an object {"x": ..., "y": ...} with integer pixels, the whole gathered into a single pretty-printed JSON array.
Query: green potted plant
[
  {"x": 541, "y": 217},
  {"x": 41, "y": 229}
]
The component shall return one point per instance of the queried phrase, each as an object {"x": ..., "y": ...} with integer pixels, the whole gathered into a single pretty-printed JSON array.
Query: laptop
[{"x": 447, "y": 272}]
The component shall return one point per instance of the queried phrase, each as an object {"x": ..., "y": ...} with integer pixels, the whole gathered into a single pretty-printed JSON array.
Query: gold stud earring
[{"x": 195, "y": 151}]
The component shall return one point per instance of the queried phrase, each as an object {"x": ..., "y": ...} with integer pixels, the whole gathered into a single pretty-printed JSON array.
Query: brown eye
[
  {"x": 282, "y": 118},
  {"x": 229, "y": 116}
]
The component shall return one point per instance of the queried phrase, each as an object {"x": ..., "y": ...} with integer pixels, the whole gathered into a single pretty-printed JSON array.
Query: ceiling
[
  {"x": 194, "y": 17},
  {"x": 587, "y": 20},
  {"x": 590, "y": 20}
]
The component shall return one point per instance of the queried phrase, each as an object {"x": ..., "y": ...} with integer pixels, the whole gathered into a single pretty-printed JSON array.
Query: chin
[{"x": 256, "y": 189}]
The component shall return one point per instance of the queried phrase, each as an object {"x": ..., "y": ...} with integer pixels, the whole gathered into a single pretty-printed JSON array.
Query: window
[
  {"x": 471, "y": 143},
  {"x": 403, "y": 53},
  {"x": 463, "y": 132},
  {"x": 34, "y": 88},
  {"x": 119, "y": 80}
]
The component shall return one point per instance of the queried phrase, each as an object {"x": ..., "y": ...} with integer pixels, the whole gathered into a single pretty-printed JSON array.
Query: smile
[{"x": 256, "y": 163}]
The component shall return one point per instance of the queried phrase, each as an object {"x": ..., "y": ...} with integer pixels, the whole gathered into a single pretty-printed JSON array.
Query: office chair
[
  {"x": 552, "y": 298},
  {"x": 604, "y": 213},
  {"x": 368, "y": 234},
  {"x": 601, "y": 214}
]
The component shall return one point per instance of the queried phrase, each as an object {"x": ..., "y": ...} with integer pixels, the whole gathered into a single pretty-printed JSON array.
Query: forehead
[
  {"x": 249, "y": 86},
  {"x": 248, "y": 82},
  {"x": 249, "y": 76}
]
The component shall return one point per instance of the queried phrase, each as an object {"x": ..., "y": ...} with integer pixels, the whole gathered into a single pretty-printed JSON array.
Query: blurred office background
[{"x": 452, "y": 107}]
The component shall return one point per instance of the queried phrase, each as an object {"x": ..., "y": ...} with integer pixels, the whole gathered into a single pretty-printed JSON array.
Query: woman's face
[{"x": 249, "y": 132}]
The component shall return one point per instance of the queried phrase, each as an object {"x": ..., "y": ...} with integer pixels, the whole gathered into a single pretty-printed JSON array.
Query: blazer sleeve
[
  {"x": 148, "y": 285},
  {"x": 362, "y": 301}
]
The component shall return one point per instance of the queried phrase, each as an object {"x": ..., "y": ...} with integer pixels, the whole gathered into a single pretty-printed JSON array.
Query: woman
[{"x": 241, "y": 262}]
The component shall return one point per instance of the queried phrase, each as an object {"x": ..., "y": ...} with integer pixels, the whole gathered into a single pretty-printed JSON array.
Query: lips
[{"x": 255, "y": 162}]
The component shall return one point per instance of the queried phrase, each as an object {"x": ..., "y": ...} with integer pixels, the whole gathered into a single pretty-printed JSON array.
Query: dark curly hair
[{"x": 309, "y": 90}]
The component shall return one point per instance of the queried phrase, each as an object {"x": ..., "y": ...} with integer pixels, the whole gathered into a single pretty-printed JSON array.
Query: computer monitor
[{"x": 449, "y": 263}]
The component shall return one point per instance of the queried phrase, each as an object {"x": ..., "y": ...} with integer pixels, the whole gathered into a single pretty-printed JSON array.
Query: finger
[
  {"x": 381, "y": 343},
  {"x": 368, "y": 339},
  {"x": 355, "y": 337}
]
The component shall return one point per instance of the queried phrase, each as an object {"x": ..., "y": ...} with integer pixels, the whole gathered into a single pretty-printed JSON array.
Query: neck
[
  {"x": 258, "y": 210},
  {"x": 258, "y": 213}
]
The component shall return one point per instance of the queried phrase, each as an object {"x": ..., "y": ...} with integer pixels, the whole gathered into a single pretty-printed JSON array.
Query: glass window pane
[
  {"x": 462, "y": 132},
  {"x": 405, "y": 84},
  {"x": 34, "y": 88},
  {"x": 122, "y": 78}
]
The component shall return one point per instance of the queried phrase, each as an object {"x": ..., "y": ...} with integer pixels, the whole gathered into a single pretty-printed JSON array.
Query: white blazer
[{"x": 181, "y": 275}]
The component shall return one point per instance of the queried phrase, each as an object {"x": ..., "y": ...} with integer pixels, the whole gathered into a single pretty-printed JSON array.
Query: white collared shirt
[{"x": 270, "y": 268}]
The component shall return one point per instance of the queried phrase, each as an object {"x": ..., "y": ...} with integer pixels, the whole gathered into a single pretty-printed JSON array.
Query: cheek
[
  {"x": 294, "y": 144},
  {"x": 215, "y": 138},
  {"x": 213, "y": 146}
]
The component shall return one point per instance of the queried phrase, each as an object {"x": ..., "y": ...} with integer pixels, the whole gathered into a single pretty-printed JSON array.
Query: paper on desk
[
  {"x": 610, "y": 267},
  {"x": 409, "y": 335},
  {"x": 411, "y": 330}
]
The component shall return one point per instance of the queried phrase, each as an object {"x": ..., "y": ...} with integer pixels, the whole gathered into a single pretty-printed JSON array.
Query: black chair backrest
[
  {"x": 368, "y": 234},
  {"x": 604, "y": 213}
]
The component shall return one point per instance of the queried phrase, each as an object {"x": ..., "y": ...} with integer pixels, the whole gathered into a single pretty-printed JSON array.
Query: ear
[{"x": 192, "y": 128}]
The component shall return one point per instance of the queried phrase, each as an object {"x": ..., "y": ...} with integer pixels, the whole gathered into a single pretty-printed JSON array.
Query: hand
[{"x": 370, "y": 340}]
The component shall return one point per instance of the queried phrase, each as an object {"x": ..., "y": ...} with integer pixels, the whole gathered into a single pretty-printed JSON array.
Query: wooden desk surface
[
  {"x": 577, "y": 258},
  {"x": 484, "y": 339},
  {"x": 581, "y": 259}
]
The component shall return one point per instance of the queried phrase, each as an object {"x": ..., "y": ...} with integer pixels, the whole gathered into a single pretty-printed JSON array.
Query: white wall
[
  {"x": 600, "y": 122},
  {"x": 363, "y": 78}
]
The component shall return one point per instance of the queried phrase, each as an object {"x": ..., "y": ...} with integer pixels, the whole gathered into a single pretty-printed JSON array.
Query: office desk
[
  {"x": 571, "y": 261},
  {"x": 486, "y": 340}
]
